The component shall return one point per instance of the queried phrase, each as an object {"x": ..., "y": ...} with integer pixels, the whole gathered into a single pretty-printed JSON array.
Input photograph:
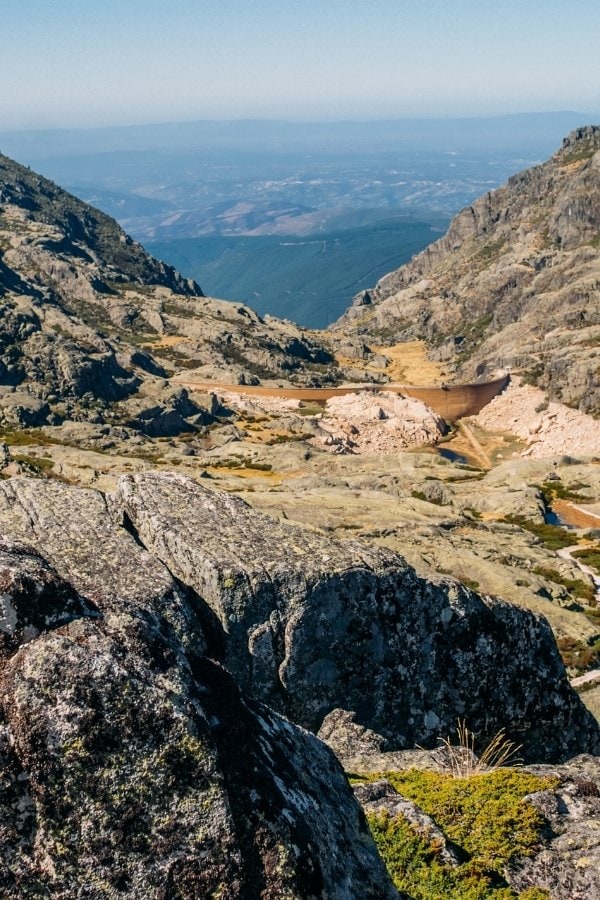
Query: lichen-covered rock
[
  {"x": 105, "y": 565},
  {"x": 131, "y": 769},
  {"x": 309, "y": 625},
  {"x": 567, "y": 863},
  {"x": 25, "y": 575},
  {"x": 381, "y": 797}
]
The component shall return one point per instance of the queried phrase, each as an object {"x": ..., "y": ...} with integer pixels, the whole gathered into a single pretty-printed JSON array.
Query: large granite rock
[
  {"x": 308, "y": 624},
  {"x": 131, "y": 768}
]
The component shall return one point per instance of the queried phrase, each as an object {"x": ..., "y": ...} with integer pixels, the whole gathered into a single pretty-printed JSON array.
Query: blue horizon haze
[{"x": 64, "y": 65}]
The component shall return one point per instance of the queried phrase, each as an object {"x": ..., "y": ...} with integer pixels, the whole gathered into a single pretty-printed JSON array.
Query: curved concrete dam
[{"x": 451, "y": 401}]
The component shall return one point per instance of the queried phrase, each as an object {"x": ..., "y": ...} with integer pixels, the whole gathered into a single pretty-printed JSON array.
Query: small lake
[{"x": 452, "y": 456}]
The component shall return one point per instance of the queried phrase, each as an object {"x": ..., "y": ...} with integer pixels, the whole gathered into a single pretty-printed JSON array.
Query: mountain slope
[
  {"x": 514, "y": 282},
  {"x": 88, "y": 319}
]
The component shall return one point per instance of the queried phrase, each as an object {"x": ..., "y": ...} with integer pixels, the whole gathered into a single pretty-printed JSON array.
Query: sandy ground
[
  {"x": 549, "y": 429},
  {"x": 409, "y": 363}
]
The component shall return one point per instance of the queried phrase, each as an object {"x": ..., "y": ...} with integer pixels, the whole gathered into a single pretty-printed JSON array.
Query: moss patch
[{"x": 485, "y": 815}]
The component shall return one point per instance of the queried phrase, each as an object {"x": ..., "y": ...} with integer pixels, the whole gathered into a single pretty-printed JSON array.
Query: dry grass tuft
[{"x": 463, "y": 762}]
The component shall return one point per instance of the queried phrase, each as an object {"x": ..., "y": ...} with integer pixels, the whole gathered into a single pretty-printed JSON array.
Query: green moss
[{"x": 485, "y": 815}]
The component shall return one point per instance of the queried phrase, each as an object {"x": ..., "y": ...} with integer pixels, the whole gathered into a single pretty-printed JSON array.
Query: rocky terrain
[
  {"x": 121, "y": 733},
  {"x": 199, "y": 588},
  {"x": 514, "y": 282},
  {"x": 120, "y": 770},
  {"x": 91, "y": 326}
]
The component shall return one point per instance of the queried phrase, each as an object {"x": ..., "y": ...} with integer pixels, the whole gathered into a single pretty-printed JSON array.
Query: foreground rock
[
  {"x": 308, "y": 625},
  {"x": 568, "y": 862},
  {"x": 121, "y": 772}
]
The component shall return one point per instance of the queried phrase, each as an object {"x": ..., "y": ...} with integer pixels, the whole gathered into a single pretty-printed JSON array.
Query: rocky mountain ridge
[
  {"x": 514, "y": 282},
  {"x": 90, "y": 321}
]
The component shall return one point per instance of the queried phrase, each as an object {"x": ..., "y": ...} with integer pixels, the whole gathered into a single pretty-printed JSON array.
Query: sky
[{"x": 67, "y": 63}]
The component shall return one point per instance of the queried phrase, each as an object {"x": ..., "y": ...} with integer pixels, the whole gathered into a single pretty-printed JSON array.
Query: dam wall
[
  {"x": 454, "y": 401},
  {"x": 450, "y": 401}
]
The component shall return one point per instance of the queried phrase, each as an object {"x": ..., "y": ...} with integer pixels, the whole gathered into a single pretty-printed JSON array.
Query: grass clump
[
  {"x": 241, "y": 463},
  {"x": 589, "y": 556},
  {"x": 26, "y": 437},
  {"x": 483, "y": 814},
  {"x": 578, "y": 656},
  {"x": 553, "y": 537},
  {"x": 38, "y": 465},
  {"x": 556, "y": 490},
  {"x": 575, "y": 586}
]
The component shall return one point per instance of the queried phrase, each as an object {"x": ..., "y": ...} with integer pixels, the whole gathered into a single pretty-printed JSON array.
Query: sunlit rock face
[{"x": 514, "y": 282}]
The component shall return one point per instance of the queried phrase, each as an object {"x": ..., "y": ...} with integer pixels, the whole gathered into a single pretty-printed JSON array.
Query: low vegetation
[
  {"x": 589, "y": 556},
  {"x": 484, "y": 816},
  {"x": 558, "y": 490},
  {"x": 553, "y": 537},
  {"x": 578, "y": 656},
  {"x": 575, "y": 586}
]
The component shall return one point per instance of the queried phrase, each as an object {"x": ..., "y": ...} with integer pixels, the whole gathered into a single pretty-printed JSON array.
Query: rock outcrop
[
  {"x": 306, "y": 624},
  {"x": 88, "y": 319},
  {"x": 132, "y": 767},
  {"x": 567, "y": 864},
  {"x": 514, "y": 282}
]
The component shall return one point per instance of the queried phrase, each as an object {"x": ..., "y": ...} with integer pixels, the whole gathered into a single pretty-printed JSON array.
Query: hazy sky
[{"x": 70, "y": 63}]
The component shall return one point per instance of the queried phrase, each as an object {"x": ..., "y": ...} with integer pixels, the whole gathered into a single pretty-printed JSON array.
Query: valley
[{"x": 222, "y": 530}]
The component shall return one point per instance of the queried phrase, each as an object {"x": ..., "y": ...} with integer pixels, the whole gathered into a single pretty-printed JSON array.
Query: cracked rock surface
[
  {"x": 131, "y": 768},
  {"x": 305, "y": 623}
]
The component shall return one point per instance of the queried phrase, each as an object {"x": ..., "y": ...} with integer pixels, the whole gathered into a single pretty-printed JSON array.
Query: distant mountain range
[
  {"x": 310, "y": 279},
  {"x": 353, "y": 200}
]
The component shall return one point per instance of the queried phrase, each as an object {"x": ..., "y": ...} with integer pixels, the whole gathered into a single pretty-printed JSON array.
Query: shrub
[{"x": 485, "y": 815}]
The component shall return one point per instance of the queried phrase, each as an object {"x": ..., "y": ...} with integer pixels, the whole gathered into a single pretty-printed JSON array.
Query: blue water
[
  {"x": 552, "y": 518},
  {"x": 452, "y": 456}
]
